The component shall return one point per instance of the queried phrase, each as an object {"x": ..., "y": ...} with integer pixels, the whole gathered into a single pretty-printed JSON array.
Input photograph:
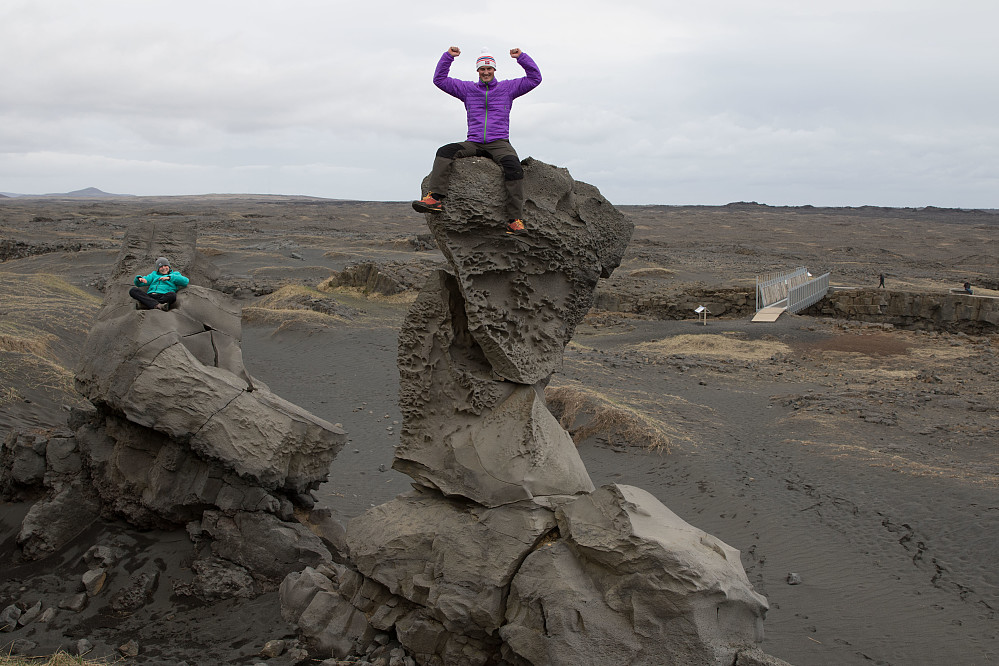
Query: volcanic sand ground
[{"x": 862, "y": 458}]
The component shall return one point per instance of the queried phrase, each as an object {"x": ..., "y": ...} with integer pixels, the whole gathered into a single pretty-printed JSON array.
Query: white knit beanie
[{"x": 486, "y": 59}]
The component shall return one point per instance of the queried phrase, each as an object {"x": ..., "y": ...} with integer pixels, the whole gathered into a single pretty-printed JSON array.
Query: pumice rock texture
[
  {"x": 483, "y": 338},
  {"x": 504, "y": 553},
  {"x": 466, "y": 431},
  {"x": 525, "y": 294}
]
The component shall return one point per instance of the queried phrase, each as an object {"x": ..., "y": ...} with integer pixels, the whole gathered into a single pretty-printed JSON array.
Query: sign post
[{"x": 702, "y": 312}]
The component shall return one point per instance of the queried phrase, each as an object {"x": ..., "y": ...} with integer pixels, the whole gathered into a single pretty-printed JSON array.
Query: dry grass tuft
[
  {"x": 57, "y": 659},
  {"x": 586, "y": 413},
  {"x": 22, "y": 345},
  {"x": 294, "y": 305},
  {"x": 717, "y": 346},
  {"x": 287, "y": 317},
  {"x": 658, "y": 273},
  {"x": 403, "y": 297},
  {"x": 42, "y": 328}
]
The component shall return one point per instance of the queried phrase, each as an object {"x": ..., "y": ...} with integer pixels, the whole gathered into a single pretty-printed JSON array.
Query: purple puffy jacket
[{"x": 488, "y": 107}]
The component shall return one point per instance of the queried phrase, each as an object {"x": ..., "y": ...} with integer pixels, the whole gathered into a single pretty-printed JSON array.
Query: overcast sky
[{"x": 784, "y": 102}]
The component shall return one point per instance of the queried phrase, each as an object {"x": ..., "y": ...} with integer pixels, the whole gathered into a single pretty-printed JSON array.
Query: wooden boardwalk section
[{"x": 770, "y": 313}]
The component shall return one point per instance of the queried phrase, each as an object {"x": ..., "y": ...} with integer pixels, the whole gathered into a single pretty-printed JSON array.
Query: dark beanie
[{"x": 162, "y": 261}]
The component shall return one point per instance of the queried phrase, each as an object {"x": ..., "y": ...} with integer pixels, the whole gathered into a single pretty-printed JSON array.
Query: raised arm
[
  {"x": 452, "y": 87},
  {"x": 533, "y": 79}
]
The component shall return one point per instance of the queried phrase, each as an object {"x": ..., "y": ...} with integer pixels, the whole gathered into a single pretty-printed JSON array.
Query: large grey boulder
[
  {"x": 630, "y": 582},
  {"x": 153, "y": 480},
  {"x": 453, "y": 557},
  {"x": 179, "y": 376},
  {"x": 56, "y": 519},
  {"x": 263, "y": 543}
]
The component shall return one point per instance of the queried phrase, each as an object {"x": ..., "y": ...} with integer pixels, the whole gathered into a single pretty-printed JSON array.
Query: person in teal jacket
[{"x": 161, "y": 287}]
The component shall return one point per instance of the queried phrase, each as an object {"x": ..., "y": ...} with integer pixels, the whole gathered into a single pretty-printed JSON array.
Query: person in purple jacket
[{"x": 487, "y": 103}]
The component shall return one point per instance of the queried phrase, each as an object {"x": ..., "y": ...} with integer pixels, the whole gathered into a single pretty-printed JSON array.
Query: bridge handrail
[
  {"x": 808, "y": 293},
  {"x": 775, "y": 286}
]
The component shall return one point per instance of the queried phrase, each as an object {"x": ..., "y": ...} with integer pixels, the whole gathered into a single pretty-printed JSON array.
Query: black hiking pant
[
  {"x": 500, "y": 152},
  {"x": 150, "y": 301}
]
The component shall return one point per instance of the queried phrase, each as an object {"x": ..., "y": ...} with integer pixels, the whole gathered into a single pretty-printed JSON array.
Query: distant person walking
[
  {"x": 967, "y": 288},
  {"x": 161, "y": 287},
  {"x": 881, "y": 284},
  {"x": 487, "y": 104}
]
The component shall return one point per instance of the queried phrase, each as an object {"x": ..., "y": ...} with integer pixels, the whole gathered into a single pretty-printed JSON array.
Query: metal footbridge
[{"x": 787, "y": 291}]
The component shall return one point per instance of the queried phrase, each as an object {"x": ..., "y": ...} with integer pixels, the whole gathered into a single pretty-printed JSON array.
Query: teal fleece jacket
[{"x": 174, "y": 281}]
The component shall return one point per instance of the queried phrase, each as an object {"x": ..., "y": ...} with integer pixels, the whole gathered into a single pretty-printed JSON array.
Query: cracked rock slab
[{"x": 452, "y": 557}]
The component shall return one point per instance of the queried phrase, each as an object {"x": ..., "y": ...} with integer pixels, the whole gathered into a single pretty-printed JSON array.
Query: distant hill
[
  {"x": 86, "y": 193},
  {"x": 89, "y": 192}
]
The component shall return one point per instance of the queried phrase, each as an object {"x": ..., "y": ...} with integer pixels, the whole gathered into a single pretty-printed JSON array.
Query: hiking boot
[
  {"x": 428, "y": 204},
  {"x": 163, "y": 306},
  {"x": 515, "y": 227}
]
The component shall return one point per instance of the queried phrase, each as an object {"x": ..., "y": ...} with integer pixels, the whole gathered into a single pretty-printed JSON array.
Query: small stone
[
  {"x": 793, "y": 579},
  {"x": 272, "y": 649},
  {"x": 83, "y": 646},
  {"x": 129, "y": 649},
  {"x": 138, "y": 591},
  {"x": 75, "y": 603},
  {"x": 93, "y": 581},
  {"x": 194, "y": 530},
  {"x": 9, "y": 617},
  {"x": 100, "y": 555},
  {"x": 382, "y": 638},
  {"x": 47, "y": 615},
  {"x": 21, "y": 646},
  {"x": 31, "y": 614}
]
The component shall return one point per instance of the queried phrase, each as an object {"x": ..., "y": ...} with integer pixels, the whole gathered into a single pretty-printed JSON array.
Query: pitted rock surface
[
  {"x": 525, "y": 294},
  {"x": 466, "y": 431}
]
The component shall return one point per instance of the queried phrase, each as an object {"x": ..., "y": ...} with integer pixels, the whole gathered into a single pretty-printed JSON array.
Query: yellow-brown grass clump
[
  {"x": 294, "y": 304},
  {"x": 587, "y": 413},
  {"x": 44, "y": 324},
  {"x": 714, "y": 346},
  {"x": 57, "y": 659}
]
